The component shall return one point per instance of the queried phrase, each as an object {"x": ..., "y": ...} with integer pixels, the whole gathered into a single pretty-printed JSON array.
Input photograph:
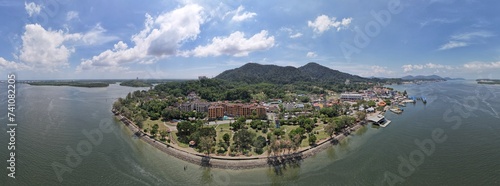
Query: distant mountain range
[
  {"x": 430, "y": 77},
  {"x": 311, "y": 72}
]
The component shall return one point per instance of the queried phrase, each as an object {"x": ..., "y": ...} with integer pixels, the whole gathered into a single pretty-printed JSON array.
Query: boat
[
  {"x": 402, "y": 104},
  {"x": 396, "y": 110},
  {"x": 408, "y": 101}
]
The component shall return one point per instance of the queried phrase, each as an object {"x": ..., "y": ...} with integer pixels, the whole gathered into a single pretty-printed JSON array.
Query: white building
[{"x": 350, "y": 97}]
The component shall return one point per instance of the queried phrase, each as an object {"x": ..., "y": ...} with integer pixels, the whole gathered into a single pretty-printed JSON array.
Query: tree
[
  {"x": 206, "y": 144},
  {"x": 256, "y": 124},
  {"x": 297, "y": 140},
  {"x": 117, "y": 105},
  {"x": 163, "y": 134},
  {"x": 278, "y": 132},
  {"x": 312, "y": 139},
  {"x": 345, "y": 121},
  {"x": 298, "y": 131},
  {"x": 239, "y": 124},
  {"x": 371, "y": 103},
  {"x": 330, "y": 111},
  {"x": 361, "y": 115},
  {"x": 185, "y": 128},
  {"x": 304, "y": 99},
  {"x": 154, "y": 129},
  {"x": 275, "y": 146},
  {"x": 243, "y": 139},
  {"x": 330, "y": 128},
  {"x": 226, "y": 138},
  {"x": 259, "y": 143}
]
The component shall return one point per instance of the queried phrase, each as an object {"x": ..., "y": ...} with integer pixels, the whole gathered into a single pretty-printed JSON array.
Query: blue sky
[{"x": 61, "y": 39}]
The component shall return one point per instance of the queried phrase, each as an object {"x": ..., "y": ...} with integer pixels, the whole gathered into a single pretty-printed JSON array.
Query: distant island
[
  {"x": 489, "y": 81},
  {"x": 99, "y": 83},
  {"x": 136, "y": 83},
  {"x": 70, "y": 83}
]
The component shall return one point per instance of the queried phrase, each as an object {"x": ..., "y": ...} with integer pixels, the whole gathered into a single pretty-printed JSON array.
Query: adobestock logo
[
  {"x": 84, "y": 148},
  {"x": 371, "y": 29}
]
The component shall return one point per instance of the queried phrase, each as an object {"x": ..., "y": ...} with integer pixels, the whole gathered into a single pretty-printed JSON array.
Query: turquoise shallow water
[{"x": 53, "y": 119}]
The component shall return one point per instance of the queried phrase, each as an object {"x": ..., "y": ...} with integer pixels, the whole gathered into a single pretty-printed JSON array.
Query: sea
[{"x": 68, "y": 136}]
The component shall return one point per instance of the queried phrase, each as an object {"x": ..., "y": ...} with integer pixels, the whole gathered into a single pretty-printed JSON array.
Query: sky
[{"x": 184, "y": 39}]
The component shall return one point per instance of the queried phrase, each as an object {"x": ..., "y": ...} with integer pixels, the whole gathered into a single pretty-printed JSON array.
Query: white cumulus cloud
[
  {"x": 297, "y": 35},
  {"x": 96, "y": 36},
  {"x": 32, "y": 8},
  {"x": 235, "y": 45},
  {"x": 51, "y": 49},
  {"x": 482, "y": 65},
  {"x": 453, "y": 44},
  {"x": 291, "y": 33},
  {"x": 311, "y": 54},
  {"x": 323, "y": 23},
  {"x": 465, "y": 39},
  {"x": 4, "y": 64},
  {"x": 161, "y": 37},
  {"x": 45, "y": 48},
  {"x": 409, "y": 68},
  {"x": 71, "y": 15},
  {"x": 241, "y": 15}
]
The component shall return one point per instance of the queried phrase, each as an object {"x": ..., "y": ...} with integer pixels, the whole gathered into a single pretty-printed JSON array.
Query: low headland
[
  {"x": 488, "y": 81},
  {"x": 70, "y": 83}
]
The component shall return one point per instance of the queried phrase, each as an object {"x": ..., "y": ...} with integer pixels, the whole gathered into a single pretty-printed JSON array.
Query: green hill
[{"x": 309, "y": 73}]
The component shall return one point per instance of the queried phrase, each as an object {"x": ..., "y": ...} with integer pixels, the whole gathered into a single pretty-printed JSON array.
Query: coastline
[{"x": 236, "y": 163}]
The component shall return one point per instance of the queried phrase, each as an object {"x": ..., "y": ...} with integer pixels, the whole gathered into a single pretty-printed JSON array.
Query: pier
[{"x": 379, "y": 120}]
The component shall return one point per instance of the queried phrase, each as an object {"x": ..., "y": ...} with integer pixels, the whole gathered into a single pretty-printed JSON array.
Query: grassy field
[{"x": 148, "y": 124}]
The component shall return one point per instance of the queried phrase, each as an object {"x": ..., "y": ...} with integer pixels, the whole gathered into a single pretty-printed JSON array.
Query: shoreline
[{"x": 236, "y": 163}]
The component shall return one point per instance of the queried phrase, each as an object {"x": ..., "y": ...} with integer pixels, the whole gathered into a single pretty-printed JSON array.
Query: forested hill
[
  {"x": 318, "y": 72},
  {"x": 311, "y": 72}
]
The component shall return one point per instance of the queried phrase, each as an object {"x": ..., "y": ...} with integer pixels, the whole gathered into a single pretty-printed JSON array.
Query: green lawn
[
  {"x": 182, "y": 145},
  {"x": 148, "y": 124}
]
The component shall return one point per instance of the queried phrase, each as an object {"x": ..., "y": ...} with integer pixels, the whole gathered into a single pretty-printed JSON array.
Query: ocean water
[{"x": 452, "y": 140}]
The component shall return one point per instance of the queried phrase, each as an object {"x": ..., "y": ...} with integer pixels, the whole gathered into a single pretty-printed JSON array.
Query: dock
[{"x": 379, "y": 120}]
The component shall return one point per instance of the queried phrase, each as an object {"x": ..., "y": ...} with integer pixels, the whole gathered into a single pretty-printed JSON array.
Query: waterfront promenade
[{"x": 237, "y": 162}]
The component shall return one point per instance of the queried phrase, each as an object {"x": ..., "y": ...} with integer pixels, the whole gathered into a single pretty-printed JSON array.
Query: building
[
  {"x": 201, "y": 106},
  {"x": 245, "y": 110},
  {"x": 350, "y": 97},
  {"x": 259, "y": 110},
  {"x": 288, "y": 106},
  {"x": 232, "y": 109},
  {"x": 215, "y": 112},
  {"x": 186, "y": 107}
]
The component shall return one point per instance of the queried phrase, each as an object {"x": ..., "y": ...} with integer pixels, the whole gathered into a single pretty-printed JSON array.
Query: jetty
[{"x": 379, "y": 120}]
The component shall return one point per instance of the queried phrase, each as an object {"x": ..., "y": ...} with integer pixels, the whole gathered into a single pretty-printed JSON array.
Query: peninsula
[{"x": 255, "y": 115}]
